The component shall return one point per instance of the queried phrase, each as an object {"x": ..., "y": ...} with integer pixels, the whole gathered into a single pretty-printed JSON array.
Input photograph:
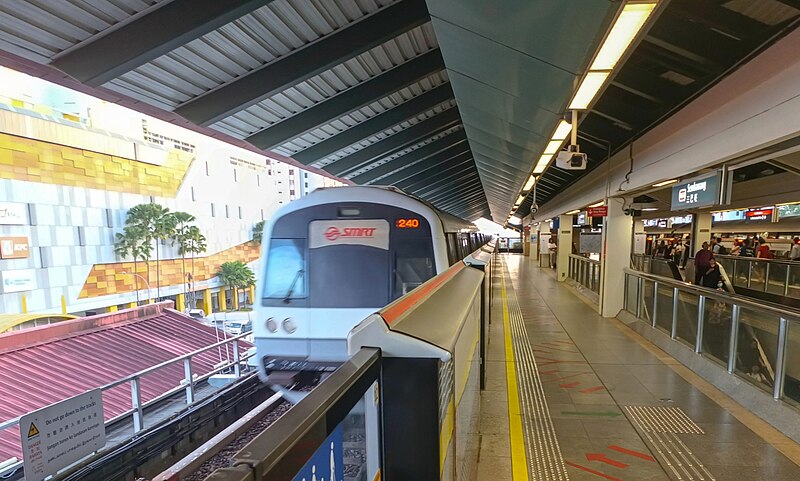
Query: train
[{"x": 339, "y": 254}]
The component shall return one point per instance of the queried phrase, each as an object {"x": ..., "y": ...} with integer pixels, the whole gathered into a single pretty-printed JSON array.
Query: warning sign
[{"x": 60, "y": 434}]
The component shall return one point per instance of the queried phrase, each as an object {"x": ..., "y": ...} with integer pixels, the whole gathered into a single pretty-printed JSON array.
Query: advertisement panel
[
  {"x": 14, "y": 248},
  {"x": 699, "y": 192},
  {"x": 13, "y": 213},
  {"x": 18, "y": 280}
]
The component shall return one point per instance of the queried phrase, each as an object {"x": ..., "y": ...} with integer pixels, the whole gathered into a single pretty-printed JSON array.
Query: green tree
[
  {"x": 196, "y": 244},
  {"x": 154, "y": 224},
  {"x": 132, "y": 242},
  {"x": 258, "y": 232},
  {"x": 180, "y": 237},
  {"x": 236, "y": 275}
]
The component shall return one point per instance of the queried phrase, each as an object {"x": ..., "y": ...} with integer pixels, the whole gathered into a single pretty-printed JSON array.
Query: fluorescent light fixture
[
  {"x": 520, "y": 199},
  {"x": 588, "y": 90},
  {"x": 649, "y": 209},
  {"x": 562, "y": 131},
  {"x": 598, "y": 204},
  {"x": 529, "y": 183},
  {"x": 514, "y": 220},
  {"x": 553, "y": 146},
  {"x": 573, "y": 212},
  {"x": 624, "y": 30},
  {"x": 544, "y": 161},
  {"x": 666, "y": 182}
]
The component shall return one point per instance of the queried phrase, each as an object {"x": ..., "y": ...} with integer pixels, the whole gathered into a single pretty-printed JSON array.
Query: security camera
[
  {"x": 534, "y": 208},
  {"x": 572, "y": 159}
]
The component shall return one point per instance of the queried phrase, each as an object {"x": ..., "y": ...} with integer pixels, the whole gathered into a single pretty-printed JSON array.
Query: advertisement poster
[{"x": 327, "y": 463}]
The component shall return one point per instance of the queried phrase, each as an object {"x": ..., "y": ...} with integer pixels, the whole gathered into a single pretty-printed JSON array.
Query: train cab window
[
  {"x": 285, "y": 276},
  {"x": 413, "y": 265}
]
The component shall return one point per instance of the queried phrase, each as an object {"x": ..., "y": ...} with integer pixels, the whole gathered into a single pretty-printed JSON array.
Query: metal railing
[
  {"x": 233, "y": 360},
  {"x": 754, "y": 340},
  {"x": 547, "y": 259},
  {"x": 585, "y": 272},
  {"x": 775, "y": 276}
]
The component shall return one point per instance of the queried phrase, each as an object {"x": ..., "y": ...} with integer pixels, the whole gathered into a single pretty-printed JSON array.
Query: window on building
[
  {"x": 227, "y": 212},
  {"x": 240, "y": 211},
  {"x": 192, "y": 190},
  {"x": 305, "y": 175},
  {"x": 306, "y": 185},
  {"x": 291, "y": 192},
  {"x": 235, "y": 177},
  {"x": 213, "y": 210},
  {"x": 207, "y": 174}
]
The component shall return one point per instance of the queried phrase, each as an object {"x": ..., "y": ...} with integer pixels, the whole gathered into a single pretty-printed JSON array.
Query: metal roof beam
[
  {"x": 376, "y": 124},
  {"x": 458, "y": 198},
  {"x": 443, "y": 161},
  {"x": 394, "y": 143},
  {"x": 456, "y": 141},
  {"x": 461, "y": 164},
  {"x": 148, "y": 37},
  {"x": 459, "y": 182},
  {"x": 304, "y": 63},
  {"x": 352, "y": 99},
  {"x": 432, "y": 155},
  {"x": 443, "y": 180},
  {"x": 476, "y": 203}
]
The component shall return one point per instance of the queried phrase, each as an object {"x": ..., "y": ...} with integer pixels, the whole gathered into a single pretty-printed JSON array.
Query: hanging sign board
[
  {"x": 699, "y": 192},
  {"x": 601, "y": 211},
  {"x": 60, "y": 434}
]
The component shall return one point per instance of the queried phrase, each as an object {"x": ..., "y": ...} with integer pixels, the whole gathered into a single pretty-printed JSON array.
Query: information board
[
  {"x": 60, "y": 434},
  {"x": 591, "y": 243},
  {"x": 699, "y": 192}
]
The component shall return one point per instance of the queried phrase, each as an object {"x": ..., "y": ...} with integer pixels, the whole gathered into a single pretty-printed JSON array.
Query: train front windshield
[{"x": 347, "y": 263}]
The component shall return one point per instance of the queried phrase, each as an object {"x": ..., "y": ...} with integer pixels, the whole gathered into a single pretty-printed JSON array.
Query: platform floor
[{"x": 573, "y": 396}]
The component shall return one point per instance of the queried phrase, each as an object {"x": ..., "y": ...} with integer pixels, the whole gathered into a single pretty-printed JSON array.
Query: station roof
[
  {"x": 450, "y": 100},
  {"x": 35, "y": 375}
]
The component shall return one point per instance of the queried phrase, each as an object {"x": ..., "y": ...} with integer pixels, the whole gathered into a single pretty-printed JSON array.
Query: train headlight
[
  {"x": 289, "y": 325},
  {"x": 272, "y": 325}
]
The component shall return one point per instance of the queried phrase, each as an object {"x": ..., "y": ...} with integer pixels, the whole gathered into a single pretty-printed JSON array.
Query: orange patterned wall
[
  {"x": 37, "y": 161},
  {"x": 105, "y": 279}
]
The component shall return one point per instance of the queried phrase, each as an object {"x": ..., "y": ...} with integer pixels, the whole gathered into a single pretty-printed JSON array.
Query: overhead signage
[
  {"x": 788, "y": 210},
  {"x": 601, "y": 211},
  {"x": 728, "y": 215},
  {"x": 18, "y": 280},
  {"x": 681, "y": 219},
  {"x": 651, "y": 222},
  {"x": 699, "y": 192},
  {"x": 371, "y": 233},
  {"x": 13, "y": 213},
  {"x": 582, "y": 218},
  {"x": 14, "y": 248},
  {"x": 58, "y": 435},
  {"x": 763, "y": 214}
]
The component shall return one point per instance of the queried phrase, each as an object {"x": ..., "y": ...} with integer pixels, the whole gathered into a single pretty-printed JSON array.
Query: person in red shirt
[
  {"x": 701, "y": 262},
  {"x": 763, "y": 251}
]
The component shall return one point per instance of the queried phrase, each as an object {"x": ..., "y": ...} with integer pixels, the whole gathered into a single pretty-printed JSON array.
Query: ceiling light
[
  {"x": 586, "y": 92},
  {"x": 597, "y": 204},
  {"x": 553, "y": 146},
  {"x": 649, "y": 209},
  {"x": 666, "y": 182},
  {"x": 624, "y": 30},
  {"x": 520, "y": 199},
  {"x": 562, "y": 131},
  {"x": 529, "y": 183},
  {"x": 573, "y": 212},
  {"x": 542, "y": 164}
]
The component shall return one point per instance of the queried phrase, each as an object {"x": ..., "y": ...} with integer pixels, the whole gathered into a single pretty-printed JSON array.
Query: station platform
[{"x": 574, "y": 396}]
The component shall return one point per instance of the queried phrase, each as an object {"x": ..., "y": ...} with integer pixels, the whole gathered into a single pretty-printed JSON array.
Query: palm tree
[
  {"x": 236, "y": 275},
  {"x": 258, "y": 232},
  {"x": 164, "y": 228},
  {"x": 180, "y": 236},
  {"x": 196, "y": 244},
  {"x": 132, "y": 242}
]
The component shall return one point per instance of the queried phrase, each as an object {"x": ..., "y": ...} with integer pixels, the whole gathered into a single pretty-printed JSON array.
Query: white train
[{"x": 334, "y": 257}]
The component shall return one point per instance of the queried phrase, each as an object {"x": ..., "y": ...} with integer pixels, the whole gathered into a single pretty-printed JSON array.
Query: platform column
[
  {"x": 564, "y": 246},
  {"x": 207, "y": 304},
  {"x": 701, "y": 230},
  {"x": 617, "y": 240},
  {"x": 223, "y": 302},
  {"x": 180, "y": 302},
  {"x": 535, "y": 243}
]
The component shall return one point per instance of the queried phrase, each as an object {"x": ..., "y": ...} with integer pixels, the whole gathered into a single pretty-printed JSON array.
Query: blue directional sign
[
  {"x": 698, "y": 192},
  {"x": 327, "y": 463}
]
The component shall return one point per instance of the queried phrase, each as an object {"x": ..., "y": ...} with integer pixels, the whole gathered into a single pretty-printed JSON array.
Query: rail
[
  {"x": 775, "y": 276},
  {"x": 756, "y": 341},
  {"x": 233, "y": 361},
  {"x": 585, "y": 272}
]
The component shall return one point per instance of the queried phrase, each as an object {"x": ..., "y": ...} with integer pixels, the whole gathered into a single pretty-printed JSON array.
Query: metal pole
[
  {"x": 701, "y": 314},
  {"x": 780, "y": 362},
  {"x": 187, "y": 369},
  {"x": 136, "y": 403},
  {"x": 237, "y": 369},
  {"x": 639, "y": 293},
  {"x": 766, "y": 276},
  {"x": 675, "y": 301},
  {"x": 786, "y": 281},
  {"x": 749, "y": 273},
  {"x": 625, "y": 291},
  {"x": 655, "y": 303},
  {"x": 733, "y": 343}
]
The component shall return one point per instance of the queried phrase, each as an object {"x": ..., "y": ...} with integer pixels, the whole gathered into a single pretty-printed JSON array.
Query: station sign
[
  {"x": 601, "y": 211},
  {"x": 14, "y": 248},
  {"x": 13, "y": 213},
  {"x": 699, "y": 192},
  {"x": 58, "y": 435}
]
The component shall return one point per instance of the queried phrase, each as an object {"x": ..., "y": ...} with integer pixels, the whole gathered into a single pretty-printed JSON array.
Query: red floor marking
[
  {"x": 570, "y": 385},
  {"x": 589, "y": 470},
  {"x": 566, "y": 377},
  {"x": 550, "y": 371},
  {"x": 631, "y": 452},
  {"x": 592, "y": 389},
  {"x": 542, "y": 351},
  {"x": 603, "y": 459},
  {"x": 557, "y": 349}
]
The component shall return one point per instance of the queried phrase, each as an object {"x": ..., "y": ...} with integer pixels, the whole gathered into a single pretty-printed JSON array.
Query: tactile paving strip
[{"x": 663, "y": 419}]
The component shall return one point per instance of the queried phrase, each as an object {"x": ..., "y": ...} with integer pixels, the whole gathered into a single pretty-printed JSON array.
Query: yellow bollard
[
  {"x": 112, "y": 308},
  {"x": 207, "y": 301},
  {"x": 63, "y": 304},
  {"x": 23, "y": 303},
  {"x": 180, "y": 302}
]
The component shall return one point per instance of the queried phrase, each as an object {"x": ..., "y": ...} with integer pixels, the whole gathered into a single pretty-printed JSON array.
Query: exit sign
[{"x": 601, "y": 211}]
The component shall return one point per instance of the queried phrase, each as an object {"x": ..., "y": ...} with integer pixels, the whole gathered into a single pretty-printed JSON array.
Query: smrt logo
[
  {"x": 682, "y": 195},
  {"x": 333, "y": 233}
]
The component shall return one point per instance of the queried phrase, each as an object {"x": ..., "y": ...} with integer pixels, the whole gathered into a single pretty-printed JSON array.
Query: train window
[
  {"x": 413, "y": 265},
  {"x": 452, "y": 248},
  {"x": 285, "y": 277}
]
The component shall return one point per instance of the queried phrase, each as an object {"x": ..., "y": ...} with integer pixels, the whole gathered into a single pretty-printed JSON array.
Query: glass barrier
[
  {"x": 585, "y": 272},
  {"x": 775, "y": 276},
  {"x": 756, "y": 341}
]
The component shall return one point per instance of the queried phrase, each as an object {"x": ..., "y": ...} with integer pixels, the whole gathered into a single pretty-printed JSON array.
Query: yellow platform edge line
[{"x": 519, "y": 459}]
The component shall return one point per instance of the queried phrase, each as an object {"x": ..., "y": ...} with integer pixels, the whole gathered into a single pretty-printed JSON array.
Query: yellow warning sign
[{"x": 33, "y": 431}]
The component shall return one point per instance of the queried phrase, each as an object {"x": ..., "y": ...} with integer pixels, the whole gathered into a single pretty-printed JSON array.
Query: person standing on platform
[
  {"x": 711, "y": 277},
  {"x": 794, "y": 252},
  {"x": 763, "y": 251},
  {"x": 701, "y": 262}
]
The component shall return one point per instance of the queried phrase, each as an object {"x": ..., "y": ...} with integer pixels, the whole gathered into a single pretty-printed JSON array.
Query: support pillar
[
  {"x": 617, "y": 234},
  {"x": 564, "y": 246},
  {"x": 207, "y": 301},
  {"x": 180, "y": 302},
  {"x": 223, "y": 301},
  {"x": 701, "y": 230},
  {"x": 535, "y": 243},
  {"x": 63, "y": 304},
  {"x": 112, "y": 308}
]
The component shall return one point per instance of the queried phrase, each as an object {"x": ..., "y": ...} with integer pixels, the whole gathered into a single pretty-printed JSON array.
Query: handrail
[
  {"x": 759, "y": 259},
  {"x": 584, "y": 259},
  {"x": 743, "y": 301}
]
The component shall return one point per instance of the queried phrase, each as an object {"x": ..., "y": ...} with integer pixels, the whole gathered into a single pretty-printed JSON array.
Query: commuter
[
  {"x": 747, "y": 249},
  {"x": 701, "y": 261},
  {"x": 714, "y": 247},
  {"x": 659, "y": 252},
  {"x": 686, "y": 251},
  {"x": 677, "y": 252},
  {"x": 717, "y": 246},
  {"x": 763, "y": 251},
  {"x": 794, "y": 252},
  {"x": 711, "y": 277},
  {"x": 722, "y": 250}
]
